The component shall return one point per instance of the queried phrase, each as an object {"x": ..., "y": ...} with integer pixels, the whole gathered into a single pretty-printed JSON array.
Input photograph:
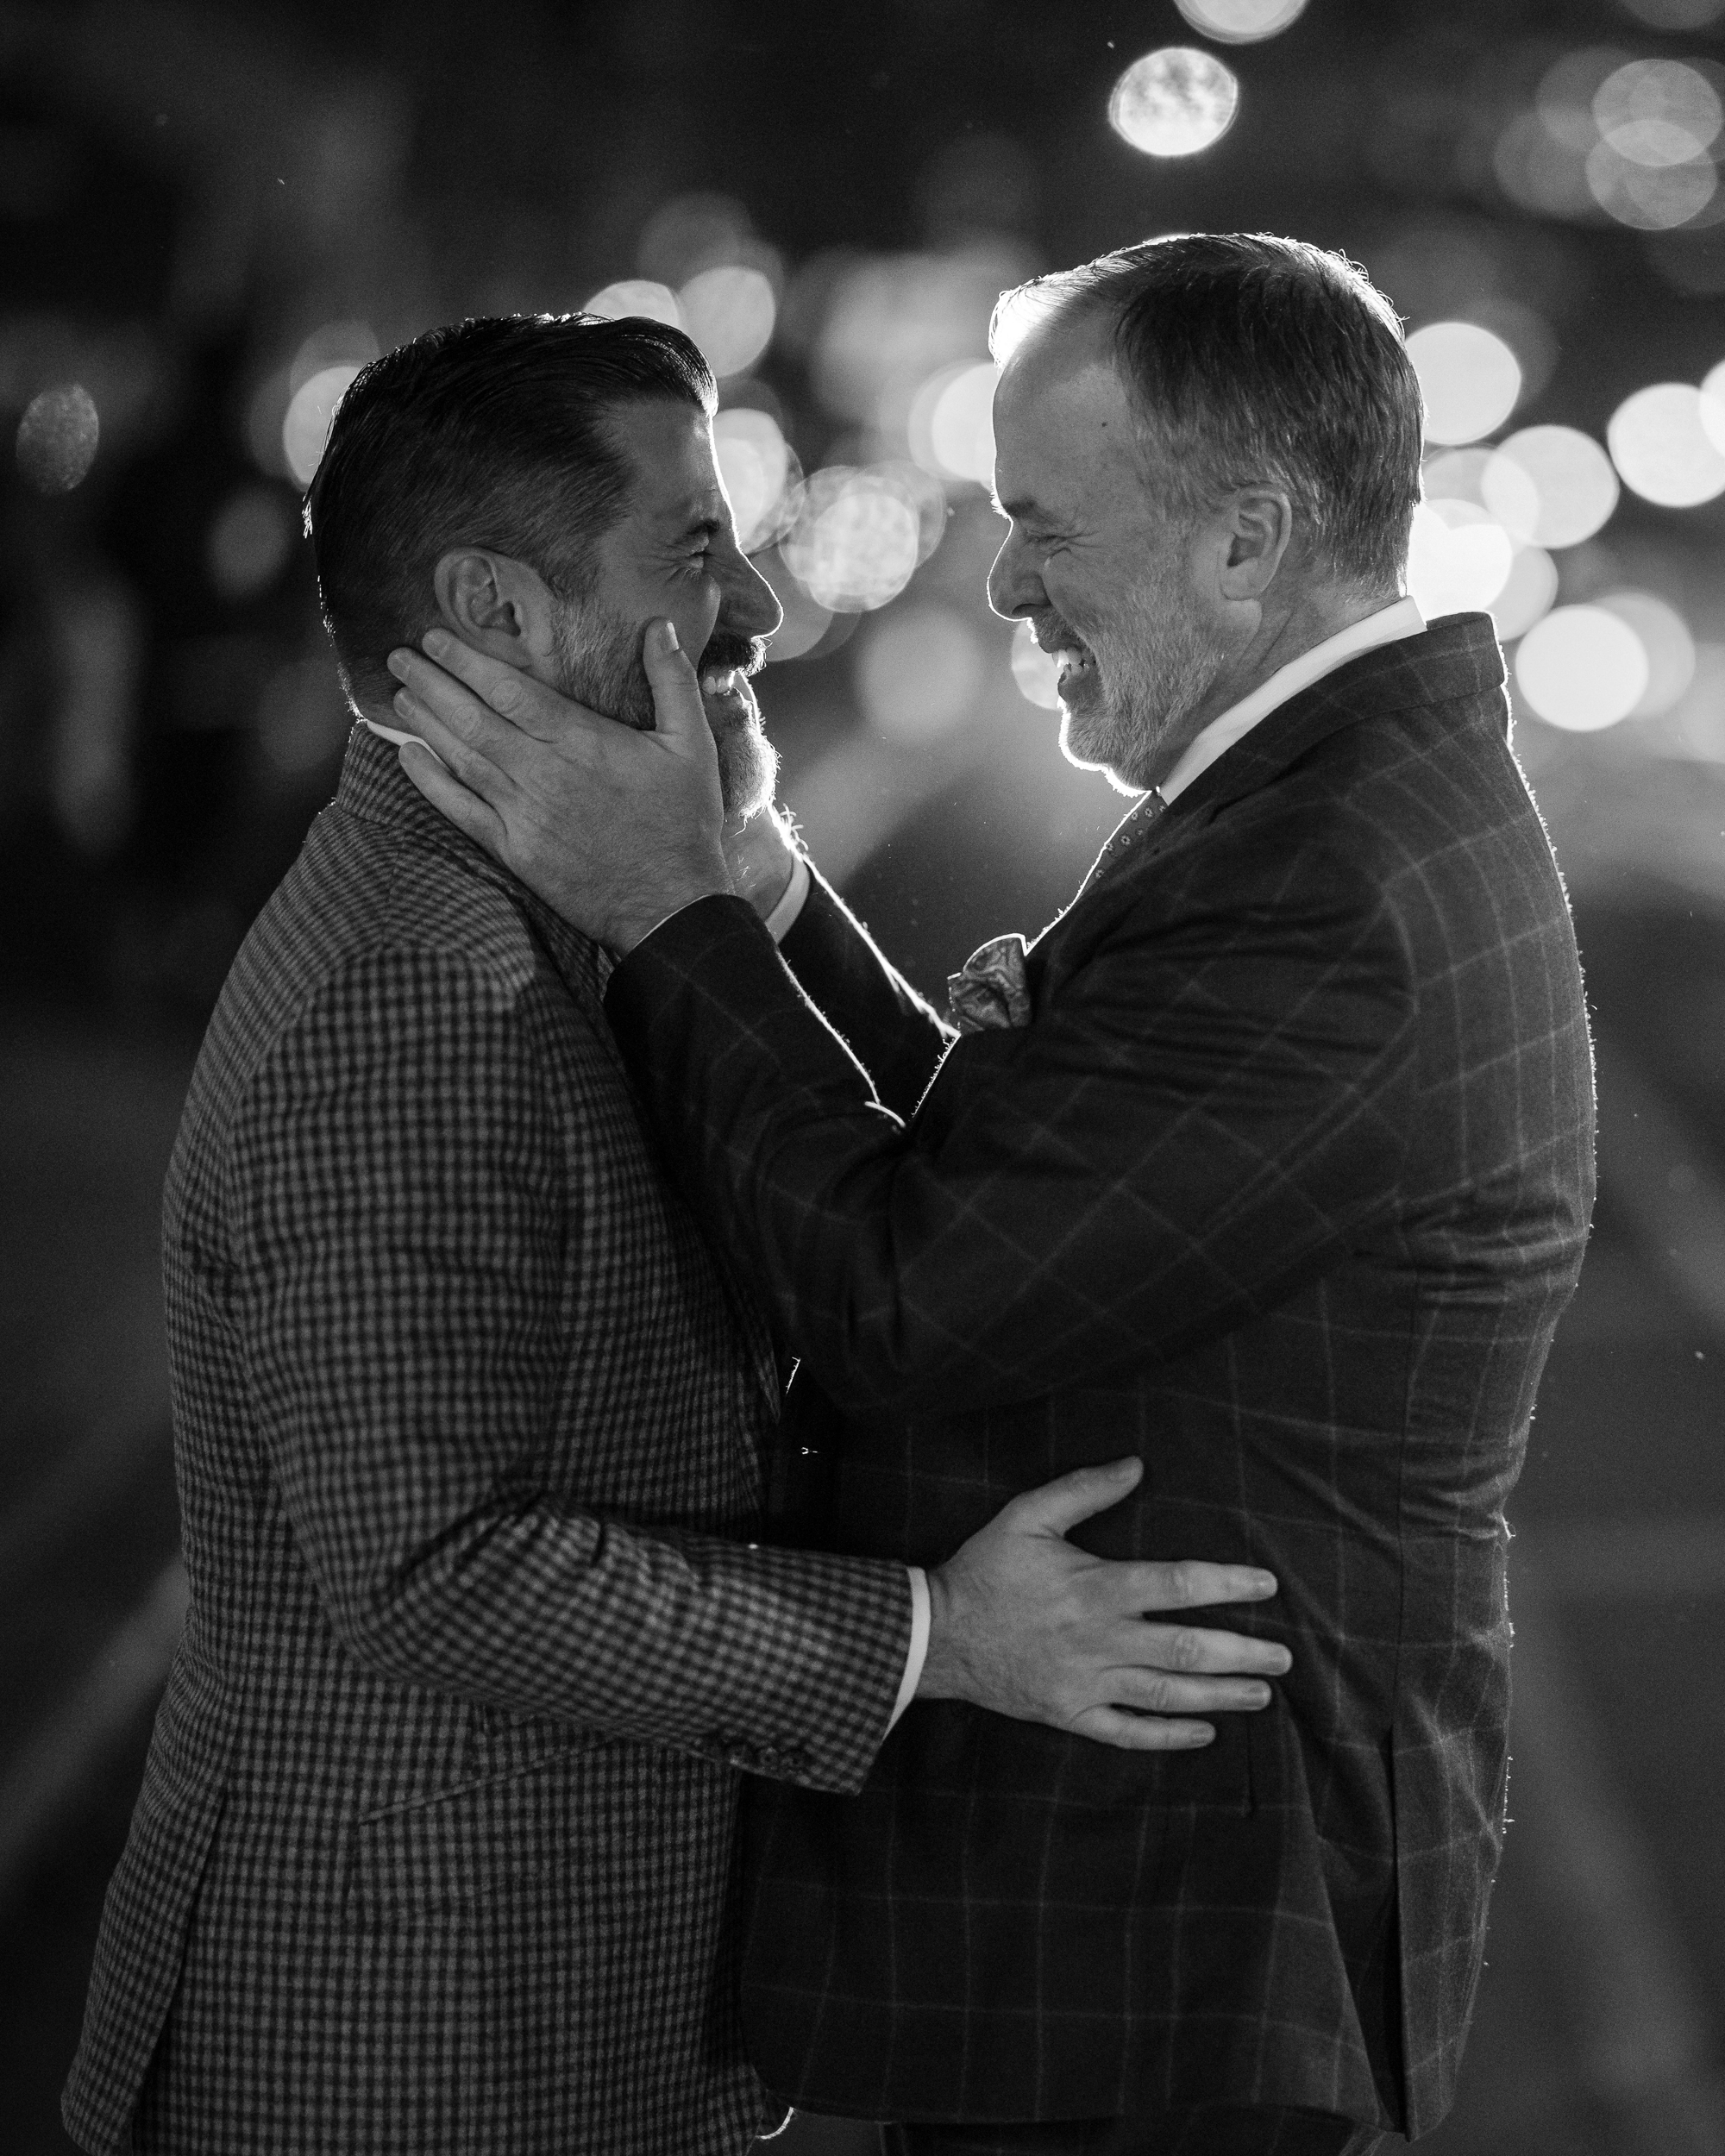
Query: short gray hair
[{"x": 1251, "y": 359}]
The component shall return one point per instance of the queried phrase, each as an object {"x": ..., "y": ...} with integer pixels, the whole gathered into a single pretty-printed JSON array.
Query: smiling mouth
[
  {"x": 1071, "y": 663},
  {"x": 726, "y": 694}
]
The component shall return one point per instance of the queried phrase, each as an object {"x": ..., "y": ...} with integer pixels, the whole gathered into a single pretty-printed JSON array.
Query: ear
[
  {"x": 496, "y": 604},
  {"x": 1260, "y": 530}
]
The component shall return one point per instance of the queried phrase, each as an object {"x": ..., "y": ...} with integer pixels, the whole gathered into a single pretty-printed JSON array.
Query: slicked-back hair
[
  {"x": 1255, "y": 360},
  {"x": 486, "y": 433}
]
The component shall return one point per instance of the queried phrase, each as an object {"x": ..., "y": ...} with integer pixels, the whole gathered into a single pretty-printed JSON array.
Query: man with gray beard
[{"x": 1270, "y": 1161}]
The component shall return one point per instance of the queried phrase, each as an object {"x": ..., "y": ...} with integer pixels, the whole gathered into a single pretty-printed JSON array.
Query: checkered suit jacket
[
  {"x": 435, "y": 1846},
  {"x": 1283, "y": 1187}
]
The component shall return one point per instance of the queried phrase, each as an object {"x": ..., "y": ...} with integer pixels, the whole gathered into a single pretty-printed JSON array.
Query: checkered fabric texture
[
  {"x": 1283, "y": 1187},
  {"x": 436, "y": 1844}
]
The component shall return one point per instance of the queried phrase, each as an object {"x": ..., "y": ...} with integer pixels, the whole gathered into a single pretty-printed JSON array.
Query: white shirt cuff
[
  {"x": 783, "y": 918},
  {"x": 919, "y": 1624}
]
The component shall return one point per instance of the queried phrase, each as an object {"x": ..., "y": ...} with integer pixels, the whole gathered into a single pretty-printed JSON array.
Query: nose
[
  {"x": 1015, "y": 586},
  {"x": 748, "y": 606}
]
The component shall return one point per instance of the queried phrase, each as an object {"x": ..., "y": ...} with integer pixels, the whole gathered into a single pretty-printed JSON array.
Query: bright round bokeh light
[
  {"x": 1658, "y": 111},
  {"x": 952, "y": 426},
  {"x": 1549, "y": 486},
  {"x": 636, "y": 296},
  {"x": 730, "y": 312},
  {"x": 1034, "y": 670},
  {"x": 1529, "y": 592},
  {"x": 1469, "y": 377},
  {"x": 311, "y": 414},
  {"x": 58, "y": 438},
  {"x": 1174, "y": 102},
  {"x": 919, "y": 672},
  {"x": 1713, "y": 406},
  {"x": 1459, "y": 558},
  {"x": 1455, "y": 475},
  {"x": 856, "y": 543},
  {"x": 760, "y": 474},
  {"x": 1241, "y": 21},
  {"x": 1662, "y": 449},
  {"x": 1582, "y": 669},
  {"x": 1650, "y": 196},
  {"x": 1664, "y": 638}
]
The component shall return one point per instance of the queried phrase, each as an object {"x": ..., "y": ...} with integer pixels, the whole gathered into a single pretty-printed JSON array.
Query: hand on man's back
[{"x": 1025, "y": 1624}]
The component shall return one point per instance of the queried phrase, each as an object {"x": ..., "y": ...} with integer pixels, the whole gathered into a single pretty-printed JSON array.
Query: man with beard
[
  {"x": 1271, "y": 1160},
  {"x": 436, "y": 1837}
]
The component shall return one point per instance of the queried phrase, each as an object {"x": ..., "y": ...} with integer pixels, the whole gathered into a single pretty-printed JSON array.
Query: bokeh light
[
  {"x": 760, "y": 474},
  {"x": 332, "y": 344},
  {"x": 856, "y": 541},
  {"x": 1675, "y": 15},
  {"x": 1174, "y": 102},
  {"x": 1651, "y": 198},
  {"x": 1241, "y": 21},
  {"x": 806, "y": 622},
  {"x": 1665, "y": 637},
  {"x": 249, "y": 542},
  {"x": 876, "y": 329},
  {"x": 1658, "y": 111},
  {"x": 951, "y": 422},
  {"x": 1459, "y": 558},
  {"x": 58, "y": 438},
  {"x": 311, "y": 414},
  {"x": 1550, "y": 486},
  {"x": 1469, "y": 377},
  {"x": 1661, "y": 446},
  {"x": 1713, "y": 406},
  {"x": 919, "y": 672},
  {"x": 1529, "y": 592},
  {"x": 1564, "y": 100},
  {"x": 1034, "y": 669},
  {"x": 730, "y": 312},
  {"x": 1582, "y": 669},
  {"x": 636, "y": 296}
]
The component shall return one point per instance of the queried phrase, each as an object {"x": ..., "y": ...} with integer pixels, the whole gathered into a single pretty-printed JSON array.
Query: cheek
[{"x": 694, "y": 610}]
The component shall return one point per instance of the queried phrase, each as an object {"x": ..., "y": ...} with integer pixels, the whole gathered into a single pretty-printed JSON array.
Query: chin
[
  {"x": 1088, "y": 741},
  {"x": 748, "y": 769}
]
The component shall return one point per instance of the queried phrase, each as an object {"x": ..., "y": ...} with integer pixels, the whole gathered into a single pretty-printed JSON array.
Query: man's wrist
[
  {"x": 761, "y": 859},
  {"x": 627, "y": 931}
]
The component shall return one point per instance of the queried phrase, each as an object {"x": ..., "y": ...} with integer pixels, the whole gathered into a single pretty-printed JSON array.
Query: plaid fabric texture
[
  {"x": 1283, "y": 1187},
  {"x": 435, "y": 1848}
]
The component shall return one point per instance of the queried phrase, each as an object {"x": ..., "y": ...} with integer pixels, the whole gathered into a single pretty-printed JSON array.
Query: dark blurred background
[{"x": 210, "y": 216}]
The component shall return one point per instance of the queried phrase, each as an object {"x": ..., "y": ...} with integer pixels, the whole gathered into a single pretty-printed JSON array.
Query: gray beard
[{"x": 1156, "y": 693}]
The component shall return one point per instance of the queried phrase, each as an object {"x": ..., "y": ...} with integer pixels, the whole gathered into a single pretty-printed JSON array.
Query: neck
[{"x": 1315, "y": 615}]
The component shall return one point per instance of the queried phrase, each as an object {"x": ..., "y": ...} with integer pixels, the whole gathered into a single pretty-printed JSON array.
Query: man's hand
[
  {"x": 1025, "y": 1624},
  {"x": 613, "y": 829}
]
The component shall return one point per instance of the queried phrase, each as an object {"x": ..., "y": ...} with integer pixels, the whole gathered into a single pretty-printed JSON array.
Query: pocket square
[{"x": 990, "y": 989}]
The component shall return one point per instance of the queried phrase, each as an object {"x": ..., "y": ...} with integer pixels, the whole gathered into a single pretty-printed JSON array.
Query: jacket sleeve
[
  {"x": 1213, "y": 1105},
  {"x": 401, "y": 1212},
  {"x": 892, "y": 1033}
]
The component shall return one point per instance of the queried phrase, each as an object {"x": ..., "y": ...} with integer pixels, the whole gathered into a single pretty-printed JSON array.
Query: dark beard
[{"x": 604, "y": 672}]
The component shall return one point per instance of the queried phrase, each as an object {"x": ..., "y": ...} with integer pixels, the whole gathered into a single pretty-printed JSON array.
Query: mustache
[
  {"x": 1052, "y": 634},
  {"x": 725, "y": 647}
]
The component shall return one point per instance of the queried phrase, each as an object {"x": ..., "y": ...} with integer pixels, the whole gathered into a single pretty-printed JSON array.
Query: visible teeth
[{"x": 717, "y": 681}]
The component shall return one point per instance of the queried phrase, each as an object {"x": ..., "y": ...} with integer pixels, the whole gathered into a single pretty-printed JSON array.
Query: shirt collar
[{"x": 1389, "y": 626}]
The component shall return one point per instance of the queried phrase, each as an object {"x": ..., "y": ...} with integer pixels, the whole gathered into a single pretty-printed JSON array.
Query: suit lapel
[{"x": 1458, "y": 657}]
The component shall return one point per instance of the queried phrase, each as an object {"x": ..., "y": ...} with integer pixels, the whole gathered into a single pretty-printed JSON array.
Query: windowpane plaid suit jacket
[
  {"x": 1284, "y": 1186},
  {"x": 434, "y": 1845}
]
